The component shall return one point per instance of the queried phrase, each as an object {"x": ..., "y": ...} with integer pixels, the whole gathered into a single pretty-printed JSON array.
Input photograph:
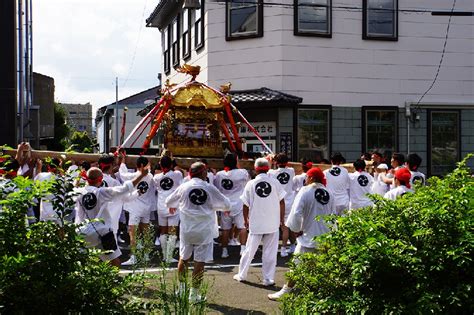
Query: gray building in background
[
  {"x": 79, "y": 116},
  {"x": 42, "y": 111}
]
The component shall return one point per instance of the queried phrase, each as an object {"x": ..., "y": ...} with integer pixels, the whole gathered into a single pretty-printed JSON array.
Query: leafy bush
[
  {"x": 45, "y": 268},
  {"x": 412, "y": 255}
]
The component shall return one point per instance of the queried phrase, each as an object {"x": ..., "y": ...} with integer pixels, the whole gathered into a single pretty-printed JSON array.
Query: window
[
  {"x": 186, "y": 44},
  {"x": 443, "y": 144},
  {"x": 313, "y": 17},
  {"x": 175, "y": 41},
  {"x": 244, "y": 19},
  {"x": 313, "y": 133},
  {"x": 199, "y": 27},
  {"x": 380, "y": 19},
  {"x": 166, "y": 50},
  {"x": 380, "y": 129}
]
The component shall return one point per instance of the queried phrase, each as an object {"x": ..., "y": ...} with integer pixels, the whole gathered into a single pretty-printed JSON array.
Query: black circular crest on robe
[
  {"x": 283, "y": 178},
  {"x": 89, "y": 201},
  {"x": 418, "y": 179},
  {"x": 104, "y": 184},
  {"x": 363, "y": 180},
  {"x": 227, "y": 184},
  {"x": 335, "y": 171},
  {"x": 166, "y": 183},
  {"x": 142, "y": 187},
  {"x": 321, "y": 196},
  {"x": 263, "y": 189},
  {"x": 198, "y": 196}
]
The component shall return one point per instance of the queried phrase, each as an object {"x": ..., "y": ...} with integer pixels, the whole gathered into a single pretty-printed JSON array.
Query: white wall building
[{"x": 359, "y": 69}]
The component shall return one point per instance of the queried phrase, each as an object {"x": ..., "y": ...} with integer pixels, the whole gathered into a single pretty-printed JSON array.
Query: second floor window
[
  {"x": 313, "y": 17},
  {"x": 175, "y": 42},
  {"x": 380, "y": 19},
  {"x": 244, "y": 19},
  {"x": 166, "y": 50},
  {"x": 186, "y": 37},
  {"x": 199, "y": 27}
]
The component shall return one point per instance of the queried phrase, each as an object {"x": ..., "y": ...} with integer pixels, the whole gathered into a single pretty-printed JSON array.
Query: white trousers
[{"x": 269, "y": 254}]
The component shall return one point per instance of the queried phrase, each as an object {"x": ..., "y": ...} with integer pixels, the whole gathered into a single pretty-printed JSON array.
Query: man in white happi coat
[
  {"x": 285, "y": 176},
  {"x": 360, "y": 185},
  {"x": 338, "y": 181},
  {"x": 47, "y": 212},
  {"x": 166, "y": 183},
  {"x": 93, "y": 202},
  {"x": 264, "y": 211},
  {"x": 231, "y": 183},
  {"x": 312, "y": 200},
  {"x": 402, "y": 184},
  {"x": 413, "y": 163},
  {"x": 197, "y": 202},
  {"x": 139, "y": 207},
  {"x": 299, "y": 180}
]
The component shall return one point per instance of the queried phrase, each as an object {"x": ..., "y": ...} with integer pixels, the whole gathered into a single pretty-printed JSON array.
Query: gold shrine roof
[{"x": 196, "y": 94}]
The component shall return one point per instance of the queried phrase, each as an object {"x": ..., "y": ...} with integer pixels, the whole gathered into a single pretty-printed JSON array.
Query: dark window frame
[
  {"x": 365, "y": 35},
  {"x": 364, "y": 111},
  {"x": 167, "y": 50},
  {"x": 257, "y": 34},
  {"x": 295, "y": 127},
  {"x": 429, "y": 112},
  {"x": 175, "y": 51},
  {"x": 296, "y": 29},
  {"x": 199, "y": 29},
  {"x": 186, "y": 35}
]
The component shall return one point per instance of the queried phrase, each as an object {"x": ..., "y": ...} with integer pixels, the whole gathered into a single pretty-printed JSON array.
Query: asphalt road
[{"x": 227, "y": 296}]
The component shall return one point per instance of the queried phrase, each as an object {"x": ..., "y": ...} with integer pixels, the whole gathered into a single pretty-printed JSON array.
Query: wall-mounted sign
[
  {"x": 286, "y": 143},
  {"x": 264, "y": 129}
]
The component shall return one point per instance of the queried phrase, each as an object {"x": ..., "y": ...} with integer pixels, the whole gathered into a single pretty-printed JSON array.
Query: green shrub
[
  {"x": 412, "y": 255},
  {"x": 45, "y": 268}
]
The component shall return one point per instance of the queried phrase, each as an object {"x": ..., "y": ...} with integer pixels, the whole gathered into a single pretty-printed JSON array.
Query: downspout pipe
[{"x": 408, "y": 116}]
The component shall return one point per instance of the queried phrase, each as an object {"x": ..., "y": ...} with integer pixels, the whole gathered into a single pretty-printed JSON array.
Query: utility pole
[
  {"x": 20, "y": 70},
  {"x": 116, "y": 113}
]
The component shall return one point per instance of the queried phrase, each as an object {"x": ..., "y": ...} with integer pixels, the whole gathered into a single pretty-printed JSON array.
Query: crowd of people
[{"x": 192, "y": 208}]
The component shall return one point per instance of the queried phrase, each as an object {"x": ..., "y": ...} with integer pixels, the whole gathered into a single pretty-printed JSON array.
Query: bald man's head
[{"x": 198, "y": 169}]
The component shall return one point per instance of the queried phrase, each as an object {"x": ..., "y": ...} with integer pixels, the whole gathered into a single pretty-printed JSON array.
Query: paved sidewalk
[{"x": 227, "y": 296}]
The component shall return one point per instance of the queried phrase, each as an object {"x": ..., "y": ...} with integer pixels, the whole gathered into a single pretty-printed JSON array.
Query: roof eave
[{"x": 164, "y": 13}]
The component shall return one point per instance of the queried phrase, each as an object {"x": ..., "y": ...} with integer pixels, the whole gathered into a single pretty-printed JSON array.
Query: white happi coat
[
  {"x": 360, "y": 185},
  {"x": 285, "y": 176},
  {"x": 197, "y": 202},
  {"x": 165, "y": 185},
  {"x": 311, "y": 201},
  {"x": 338, "y": 182},
  {"x": 47, "y": 212},
  {"x": 231, "y": 184},
  {"x": 93, "y": 200},
  {"x": 417, "y": 177},
  {"x": 262, "y": 196},
  {"x": 397, "y": 192},
  {"x": 116, "y": 205},
  {"x": 143, "y": 203},
  {"x": 298, "y": 181},
  {"x": 379, "y": 187}
]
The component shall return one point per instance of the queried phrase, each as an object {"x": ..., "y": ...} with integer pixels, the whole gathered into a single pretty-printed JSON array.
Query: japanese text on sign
[{"x": 264, "y": 129}]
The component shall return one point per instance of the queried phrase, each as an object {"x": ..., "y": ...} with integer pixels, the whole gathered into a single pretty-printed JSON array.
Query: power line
[
  {"x": 136, "y": 46},
  {"x": 342, "y": 7},
  {"x": 441, "y": 60}
]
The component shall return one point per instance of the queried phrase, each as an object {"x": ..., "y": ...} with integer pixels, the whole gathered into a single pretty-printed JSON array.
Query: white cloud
[{"x": 85, "y": 44}]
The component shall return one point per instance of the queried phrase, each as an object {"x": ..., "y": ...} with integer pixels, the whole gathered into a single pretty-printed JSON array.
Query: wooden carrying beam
[{"x": 131, "y": 159}]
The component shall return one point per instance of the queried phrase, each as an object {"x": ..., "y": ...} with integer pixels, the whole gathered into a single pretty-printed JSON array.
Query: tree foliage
[
  {"x": 46, "y": 268},
  {"x": 412, "y": 255},
  {"x": 61, "y": 130},
  {"x": 81, "y": 142}
]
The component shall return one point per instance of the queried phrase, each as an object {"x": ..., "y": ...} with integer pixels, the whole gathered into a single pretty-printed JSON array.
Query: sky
[{"x": 85, "y": 44}]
